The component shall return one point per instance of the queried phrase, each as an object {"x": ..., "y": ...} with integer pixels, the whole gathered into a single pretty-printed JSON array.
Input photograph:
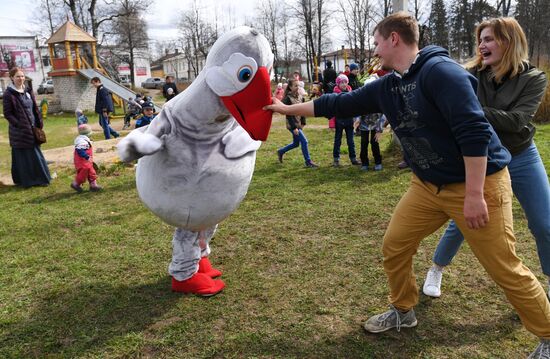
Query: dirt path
[{"x": 104, "y": 152}]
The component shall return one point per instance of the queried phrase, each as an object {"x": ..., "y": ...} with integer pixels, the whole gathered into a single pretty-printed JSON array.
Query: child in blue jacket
[{"x": 148, "y": 115}]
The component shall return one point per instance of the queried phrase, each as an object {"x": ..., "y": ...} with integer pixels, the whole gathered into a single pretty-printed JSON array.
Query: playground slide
[{"x": 123, "y": 92}]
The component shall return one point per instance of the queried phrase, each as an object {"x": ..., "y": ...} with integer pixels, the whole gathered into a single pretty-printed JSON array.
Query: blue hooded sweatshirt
[{"x": 434, "y": 111}]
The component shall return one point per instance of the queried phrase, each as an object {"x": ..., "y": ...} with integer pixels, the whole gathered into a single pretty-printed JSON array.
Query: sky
[{"x": 161, "y": 15}]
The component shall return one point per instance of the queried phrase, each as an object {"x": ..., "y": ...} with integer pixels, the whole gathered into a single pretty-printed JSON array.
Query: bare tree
[
  {"x": 228, "y": 19},
  {"x": 103, "y": 15},
  {"x": 286, "y": 51},
  {"x": 503, "y": 7},
  {"x": 197, "y": 35},
  {"x": 71, "y": 4},
  {"x": 53, "y": 20},
  {"x": 270, "y": 19},
  {"x": 385, "y": 8},
  {"x": 313, "y": 20},
  {"x": 357, "y": 16},
  {"x": 130, "y": 31}
]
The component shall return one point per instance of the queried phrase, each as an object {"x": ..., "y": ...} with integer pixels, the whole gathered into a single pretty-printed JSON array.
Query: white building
[
  {"x": 179, "y": 66},
  {"x": 142, "y": 64},
  {"x": 24, "y": 52}
]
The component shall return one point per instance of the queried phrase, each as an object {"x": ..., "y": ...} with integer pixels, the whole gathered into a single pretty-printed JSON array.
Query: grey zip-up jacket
[{"x": 511, "y": 105}]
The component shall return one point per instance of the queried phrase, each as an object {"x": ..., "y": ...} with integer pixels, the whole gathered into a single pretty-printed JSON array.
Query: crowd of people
[
  {"x": 467, "y": 156},
  {"x": 369, "y": 127}
]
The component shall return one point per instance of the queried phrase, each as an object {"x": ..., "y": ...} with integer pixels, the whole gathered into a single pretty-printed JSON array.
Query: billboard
[
  {"x": 141, "y": 71},
  {"x": 21, "y": 56},
  {"x": 24, "y": 60}
]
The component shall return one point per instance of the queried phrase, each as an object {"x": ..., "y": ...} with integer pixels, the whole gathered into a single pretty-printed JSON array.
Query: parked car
[
  {"x": 153, "y": 83},
  {"x": 45, "y": 87},
  {"x": 124, "y": 81}
]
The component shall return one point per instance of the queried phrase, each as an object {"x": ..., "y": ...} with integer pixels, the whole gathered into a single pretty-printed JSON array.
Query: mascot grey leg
[{"x": 190, "y": 268}]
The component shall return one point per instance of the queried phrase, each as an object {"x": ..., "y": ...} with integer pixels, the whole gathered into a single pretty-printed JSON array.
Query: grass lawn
[{"x": 86, "y": 275}]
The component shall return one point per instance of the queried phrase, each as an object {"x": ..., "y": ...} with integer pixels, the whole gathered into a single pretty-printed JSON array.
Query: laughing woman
[
  {"x": 28, "y": 166},
  {"x": 510, "y": 91}
]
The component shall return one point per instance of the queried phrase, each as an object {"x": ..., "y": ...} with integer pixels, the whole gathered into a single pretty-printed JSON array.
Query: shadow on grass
[
  {"x": 85, "y": 318},
  {"x": 326, "y": 175},
  {"x": 70, "y": 193},
  {"x": 431, "y": 336},
  {"x": 11, "y": 189},
  {"x": 429, "y": 340}
]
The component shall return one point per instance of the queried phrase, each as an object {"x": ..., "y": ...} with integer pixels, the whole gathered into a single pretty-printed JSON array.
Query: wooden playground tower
[
  {"x": 72, "y": 50},
  {"x": 70, "y": 39}
]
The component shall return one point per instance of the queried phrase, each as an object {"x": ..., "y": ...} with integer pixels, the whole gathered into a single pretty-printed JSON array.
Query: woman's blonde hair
[{"x": 510, "y": 36}]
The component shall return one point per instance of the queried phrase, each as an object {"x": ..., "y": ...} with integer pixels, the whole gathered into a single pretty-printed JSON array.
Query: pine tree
[
  {"x": 534, "y": 17},
  {"x": 439, "y": 33},
  {"x": 458, "y": 21}
]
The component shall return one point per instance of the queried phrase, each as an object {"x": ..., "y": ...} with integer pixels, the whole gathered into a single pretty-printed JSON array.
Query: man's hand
[
  {"x": 475, "y": 208},
  {"x": 296, "y": 131},
  {"x": 378, "y": 136},
  {"x": 304, "y": 109},
  {"x": 475, "y": 212},
  {"x": 276, "y": 106}
]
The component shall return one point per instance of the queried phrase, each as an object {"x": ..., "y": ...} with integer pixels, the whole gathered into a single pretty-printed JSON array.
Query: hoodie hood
[{"x": 424, "y": 55}]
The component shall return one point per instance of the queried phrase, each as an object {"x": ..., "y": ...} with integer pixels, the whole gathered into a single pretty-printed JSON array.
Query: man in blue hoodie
[
  {"x": 103, "y": 107},
  {"x": 459, "y": 171}
]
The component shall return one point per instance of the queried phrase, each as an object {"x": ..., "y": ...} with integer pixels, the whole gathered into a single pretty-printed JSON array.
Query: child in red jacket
[{"x": 84, "y": 160}]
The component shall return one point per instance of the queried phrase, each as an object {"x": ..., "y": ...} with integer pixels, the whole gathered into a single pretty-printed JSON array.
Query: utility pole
[
  {"x": 399, "y": 5},
  {"x": 40, "y": 58}
]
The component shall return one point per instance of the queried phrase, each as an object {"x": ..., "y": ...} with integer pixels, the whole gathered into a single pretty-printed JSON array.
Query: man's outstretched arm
[{"x": 304, "y": 109}]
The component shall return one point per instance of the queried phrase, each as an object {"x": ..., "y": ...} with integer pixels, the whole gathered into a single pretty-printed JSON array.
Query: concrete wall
[{"x": 74, "y": 92}]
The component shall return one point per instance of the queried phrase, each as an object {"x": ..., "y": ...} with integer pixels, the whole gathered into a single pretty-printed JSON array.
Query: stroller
[{"x": 134, "y": 110}]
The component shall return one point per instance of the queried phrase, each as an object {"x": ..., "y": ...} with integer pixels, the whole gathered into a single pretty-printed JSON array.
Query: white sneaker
[{"x": 432, "y": 284}]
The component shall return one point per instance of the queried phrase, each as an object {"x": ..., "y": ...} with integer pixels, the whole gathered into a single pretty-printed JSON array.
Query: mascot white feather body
[{"x": 196, "y": 158}]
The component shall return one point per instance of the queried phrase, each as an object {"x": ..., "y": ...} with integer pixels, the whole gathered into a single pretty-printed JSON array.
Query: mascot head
[{"x": 238, "y": 67}]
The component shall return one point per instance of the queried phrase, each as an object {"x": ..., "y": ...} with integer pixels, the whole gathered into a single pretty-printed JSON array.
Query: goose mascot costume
[{"x": 197, "y": 156}]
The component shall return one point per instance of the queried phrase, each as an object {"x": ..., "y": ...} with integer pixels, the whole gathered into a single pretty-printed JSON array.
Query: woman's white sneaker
[{"x": 432, "y": 284}]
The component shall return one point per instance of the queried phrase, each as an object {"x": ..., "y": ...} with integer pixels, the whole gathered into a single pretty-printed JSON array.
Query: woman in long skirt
[{"x": 28, "y": 167}]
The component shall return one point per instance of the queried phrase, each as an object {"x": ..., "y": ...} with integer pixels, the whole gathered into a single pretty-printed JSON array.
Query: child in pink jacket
[{"x": 279, "y": 92}]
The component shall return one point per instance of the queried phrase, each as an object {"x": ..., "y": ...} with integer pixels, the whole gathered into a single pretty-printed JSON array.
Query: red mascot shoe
[
  {"x": 206, "y": 268},
  {"x": 199, "y": 284}
]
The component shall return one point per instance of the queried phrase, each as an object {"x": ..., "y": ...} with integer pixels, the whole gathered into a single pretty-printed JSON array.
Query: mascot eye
[{"x": 245, "y": 73}]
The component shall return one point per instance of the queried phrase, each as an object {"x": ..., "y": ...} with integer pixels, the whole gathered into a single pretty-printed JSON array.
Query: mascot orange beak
[{"x": 246, "y": 106}]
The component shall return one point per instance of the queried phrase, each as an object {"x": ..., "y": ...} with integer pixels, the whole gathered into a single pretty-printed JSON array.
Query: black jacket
[
  {"x": 329, "y": 79},
  {"x": 103, "y": 100},
  {"x": 165, "y": 90},
  {"x": 510, "y": 106},
  {"x": 20, "y": 129}
]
